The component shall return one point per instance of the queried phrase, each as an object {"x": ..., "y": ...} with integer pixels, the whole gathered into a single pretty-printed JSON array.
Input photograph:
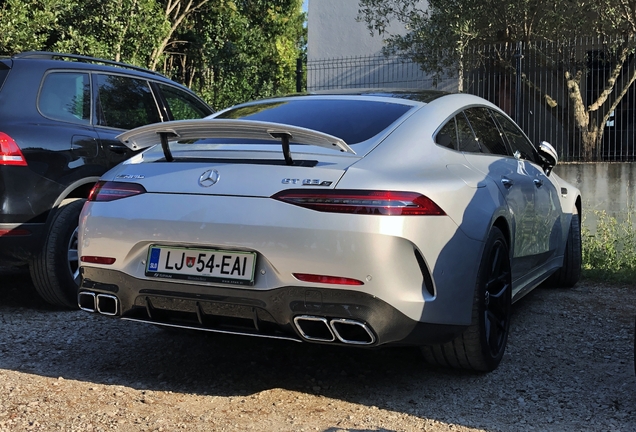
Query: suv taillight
[
  {"x": 111, "y": 191},
  {"x": 10, "y": 153},
  {"x": 368, "y": 202}
]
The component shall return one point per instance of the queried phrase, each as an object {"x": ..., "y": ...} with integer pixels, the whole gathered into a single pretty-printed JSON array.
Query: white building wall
[
  {"x": 342, "y": 53},
  {"x": 333, "y": 31}
]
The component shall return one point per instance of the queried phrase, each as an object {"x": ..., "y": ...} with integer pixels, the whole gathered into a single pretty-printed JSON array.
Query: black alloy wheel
[
  {"x": 497, "y": 299},
  {"x": 481, "y": 346}
]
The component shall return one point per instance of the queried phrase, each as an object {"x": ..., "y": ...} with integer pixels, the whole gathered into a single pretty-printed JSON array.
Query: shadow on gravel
[
  {"x": 534, "y": 377},
  {"x": 17, "y": 290}
]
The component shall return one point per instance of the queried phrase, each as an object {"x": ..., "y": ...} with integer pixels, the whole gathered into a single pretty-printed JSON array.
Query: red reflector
[
  {"x": 110, "y": 191},
  {"x": 327, "y": 279},
  {"x": 97, "y": 260},
  {"x": 10, "y": 153},
  {"x": 362, "y": 202},
  {"x": 18, "y": 232}
]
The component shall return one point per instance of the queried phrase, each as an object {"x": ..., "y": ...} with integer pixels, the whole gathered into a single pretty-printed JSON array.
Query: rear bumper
[
  {"x": 20, "y": 242},
  {"x": 265, "y": 313}
]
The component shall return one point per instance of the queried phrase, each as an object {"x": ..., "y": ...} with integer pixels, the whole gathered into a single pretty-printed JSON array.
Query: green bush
[{"x": 609, "y": 252}]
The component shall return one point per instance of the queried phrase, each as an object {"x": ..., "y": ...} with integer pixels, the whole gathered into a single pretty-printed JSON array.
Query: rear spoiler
[{"x": 149, "y": 135}]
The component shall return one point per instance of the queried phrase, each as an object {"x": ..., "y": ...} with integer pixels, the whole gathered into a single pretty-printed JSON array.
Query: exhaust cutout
[
  {"x": 86, "y": 301},
  {"x": 352, "y": 332},
  {"x": 314, "y": 328},
  {"x": 107, "y": 304}
]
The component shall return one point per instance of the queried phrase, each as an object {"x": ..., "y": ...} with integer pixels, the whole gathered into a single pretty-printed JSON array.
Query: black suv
[{"x": 59, "y": 116}]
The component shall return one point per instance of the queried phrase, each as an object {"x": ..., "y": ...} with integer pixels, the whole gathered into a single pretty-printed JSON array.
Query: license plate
[{"x": 207, "y": 265}]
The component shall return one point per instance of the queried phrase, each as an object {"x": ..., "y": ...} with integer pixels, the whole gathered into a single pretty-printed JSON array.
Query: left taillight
[
  {"x": 10, "y": 153},
  {"x": 368, "y": 202},
  {"x": 111, "y": 191}
]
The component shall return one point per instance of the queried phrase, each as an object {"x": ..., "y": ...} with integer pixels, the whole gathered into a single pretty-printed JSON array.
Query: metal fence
[{"x": 530, "y": 82}]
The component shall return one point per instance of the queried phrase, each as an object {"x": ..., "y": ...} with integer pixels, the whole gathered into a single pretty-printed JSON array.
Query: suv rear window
[
  {"x": 66, "y": 96},
  {"x": 353, "y": 121}
]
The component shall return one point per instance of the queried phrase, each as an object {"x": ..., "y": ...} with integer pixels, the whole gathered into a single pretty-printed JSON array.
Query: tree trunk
[
  {"x": 176, "y": 11},
  {"x": 591, "y": 140}
]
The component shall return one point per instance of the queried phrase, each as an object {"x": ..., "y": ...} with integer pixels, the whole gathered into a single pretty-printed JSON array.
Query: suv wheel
[{"x": 55, "y": 270}]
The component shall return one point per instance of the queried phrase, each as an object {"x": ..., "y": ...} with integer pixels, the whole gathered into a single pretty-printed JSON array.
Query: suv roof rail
[{"x": 48, "y": 55}]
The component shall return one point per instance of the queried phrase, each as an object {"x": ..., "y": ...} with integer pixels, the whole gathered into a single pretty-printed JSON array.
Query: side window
[
  {"x": 465, "y": 136},
  {"x": 487, "y": 132},
  {"x": 447, "y": 135},
  {"x": 521, "y": 146},
  {"x": 182, "y": 105},
  {"x": 66, "y": 96},
  {"x": 125, "y": 102}
]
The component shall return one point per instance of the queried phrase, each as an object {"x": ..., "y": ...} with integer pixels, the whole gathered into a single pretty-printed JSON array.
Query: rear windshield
[{"x": 353, "y": 121}]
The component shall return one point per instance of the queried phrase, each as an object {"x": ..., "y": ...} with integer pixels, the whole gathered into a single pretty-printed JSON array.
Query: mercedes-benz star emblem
[{"x": 209, "y": 178}]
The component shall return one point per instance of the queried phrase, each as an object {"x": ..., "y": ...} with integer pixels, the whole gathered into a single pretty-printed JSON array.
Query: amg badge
[{"x": 307, "y": 182}]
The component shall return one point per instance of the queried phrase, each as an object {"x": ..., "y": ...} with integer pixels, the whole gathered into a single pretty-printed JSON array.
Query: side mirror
[{"x": 549, "y": 156}]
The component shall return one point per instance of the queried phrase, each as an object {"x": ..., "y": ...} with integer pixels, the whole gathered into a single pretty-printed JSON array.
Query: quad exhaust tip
[
  {"x": 314, "y": 328},
  {"x": 87, "y": 301},
  {"x": 105, "y": 304},
  {"x": 347, "y": 331}
]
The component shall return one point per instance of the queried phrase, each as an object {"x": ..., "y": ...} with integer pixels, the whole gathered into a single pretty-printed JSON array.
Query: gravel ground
[{"x": 568, "y": 367}]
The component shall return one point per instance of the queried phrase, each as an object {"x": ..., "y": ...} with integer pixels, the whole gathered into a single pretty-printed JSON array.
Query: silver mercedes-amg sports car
[{"x": 367, "y": 219}]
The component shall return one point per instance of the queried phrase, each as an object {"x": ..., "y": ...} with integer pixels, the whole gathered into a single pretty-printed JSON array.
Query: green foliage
[
  {"x": 233, "y": 51},
  {"x": 609, "y": 253},
  {"x": 30, "y": 24},
  {"x": 228, "y": 51},
  {"x": 121, "y": 30}
]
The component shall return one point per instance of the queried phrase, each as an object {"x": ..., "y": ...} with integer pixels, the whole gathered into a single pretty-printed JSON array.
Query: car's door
[
  {"x": 547, "y": 226},
  {"x": 495, "y": 160},
  {"x": 122, "y": 103},
  {"x": 64, "y": 100}
]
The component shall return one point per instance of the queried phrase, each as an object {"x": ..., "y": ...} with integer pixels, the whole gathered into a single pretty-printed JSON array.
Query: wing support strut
[
  {"x": 164, "y": 135},
  {"x": 284, "y": 139}
]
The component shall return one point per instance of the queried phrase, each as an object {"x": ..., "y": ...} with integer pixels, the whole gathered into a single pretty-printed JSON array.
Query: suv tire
[{"x": 55, "y": 269}]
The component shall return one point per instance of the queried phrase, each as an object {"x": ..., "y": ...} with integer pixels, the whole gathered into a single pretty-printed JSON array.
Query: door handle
[
  {"x": 507, "y": 182},
  {"x": 117, "y": 148},
  {"x": 538, "y": 182}
]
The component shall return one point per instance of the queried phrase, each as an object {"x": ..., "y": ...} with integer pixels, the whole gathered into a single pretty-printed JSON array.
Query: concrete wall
[{"x": 604, "y": 186}]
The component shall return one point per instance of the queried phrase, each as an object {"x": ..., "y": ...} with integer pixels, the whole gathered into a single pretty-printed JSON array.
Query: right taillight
[
  {"x": 370, "y": 202},
  {"x": 10, "y": 153},
  {"x": 111, "y": 191}
]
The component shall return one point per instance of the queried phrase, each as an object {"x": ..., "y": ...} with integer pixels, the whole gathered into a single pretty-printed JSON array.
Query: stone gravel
[{"x": 569, "y": 366}]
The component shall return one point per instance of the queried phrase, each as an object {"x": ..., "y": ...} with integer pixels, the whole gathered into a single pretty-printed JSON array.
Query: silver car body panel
[{"x": 237, "y": 213}]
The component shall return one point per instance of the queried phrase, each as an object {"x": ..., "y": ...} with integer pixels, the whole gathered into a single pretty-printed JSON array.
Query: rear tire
[
  {"x": 55, "y": 270},
  {"x": 568, "y": 275},
  {"x": 481, "y": 346}
]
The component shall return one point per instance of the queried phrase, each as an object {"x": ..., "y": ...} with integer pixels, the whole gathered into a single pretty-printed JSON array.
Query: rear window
[
  {"x": 66, "y": 96},
  {"x": 353, "y": 121}
]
